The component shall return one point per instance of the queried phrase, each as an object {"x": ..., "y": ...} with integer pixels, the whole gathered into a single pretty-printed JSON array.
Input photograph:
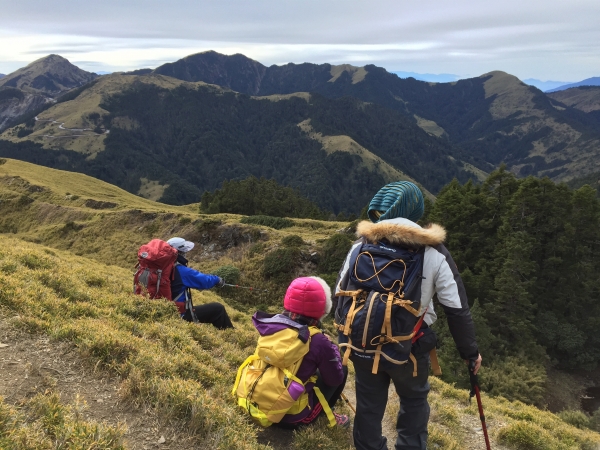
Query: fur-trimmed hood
[{"x": 402, "y": 232}]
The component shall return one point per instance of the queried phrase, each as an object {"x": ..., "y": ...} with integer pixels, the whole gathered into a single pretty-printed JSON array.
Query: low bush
[
  {"x": 268, "y": 221},
  {"x": 334, "y": 253},
  {"x": 230, "y": 274},
  {"x": 292, "y": 240},
  {"x": 515, "y": 379},
  {"x": 576, "y": 418},
  {"x": 280, "y": 263}
]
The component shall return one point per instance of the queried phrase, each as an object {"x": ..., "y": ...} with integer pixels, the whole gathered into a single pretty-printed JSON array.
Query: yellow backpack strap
[
  {"x": 239, "y": 373},
  {"x": 325, "y": 406}
]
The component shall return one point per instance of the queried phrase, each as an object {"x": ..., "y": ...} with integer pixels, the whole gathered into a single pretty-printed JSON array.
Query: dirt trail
[{"x": 31, "y": 364}]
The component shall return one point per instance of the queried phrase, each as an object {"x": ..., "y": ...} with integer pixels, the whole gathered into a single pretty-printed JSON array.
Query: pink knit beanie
[{"x": 308, "y": 296}]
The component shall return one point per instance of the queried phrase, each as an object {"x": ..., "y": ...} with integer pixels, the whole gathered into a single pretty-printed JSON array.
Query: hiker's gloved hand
[
  {"x": 477, "y": 364},
  {"x": 221, "y": 283}
]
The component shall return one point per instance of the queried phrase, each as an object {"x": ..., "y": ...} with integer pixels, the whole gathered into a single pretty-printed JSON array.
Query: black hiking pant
[
  {"x": 372, "y": 397},
  {"x": 210, "y": 313}
]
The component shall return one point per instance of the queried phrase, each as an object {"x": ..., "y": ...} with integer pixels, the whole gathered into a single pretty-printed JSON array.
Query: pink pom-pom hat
[{"x": 308, "y": 296}]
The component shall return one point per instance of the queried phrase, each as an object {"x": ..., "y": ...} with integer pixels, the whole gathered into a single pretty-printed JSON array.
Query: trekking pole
[
  {"x": 348, "y": 402},
  {"x": 245, "y": 287},
  {"x": 475, "y": 392}
]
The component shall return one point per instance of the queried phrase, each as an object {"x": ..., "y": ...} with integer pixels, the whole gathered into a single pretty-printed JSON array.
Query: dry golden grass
[
  {"x": 184, "y": 370},
  {"x": 44, "y": 423}
]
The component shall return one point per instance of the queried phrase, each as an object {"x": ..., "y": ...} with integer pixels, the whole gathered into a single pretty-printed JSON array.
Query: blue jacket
[{"x": 187, "y": 278}]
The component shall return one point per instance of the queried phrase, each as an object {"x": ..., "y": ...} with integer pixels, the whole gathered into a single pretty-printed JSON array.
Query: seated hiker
[
  {"x": 186, "y": 278},
  {"x": 313, "y": 376}
]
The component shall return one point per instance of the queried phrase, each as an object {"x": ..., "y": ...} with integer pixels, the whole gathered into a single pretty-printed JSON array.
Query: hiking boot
[{"x": 342, "y": 420}]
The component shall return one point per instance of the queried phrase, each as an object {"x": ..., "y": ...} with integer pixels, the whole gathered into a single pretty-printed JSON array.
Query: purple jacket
[{"x": 322, "y": 355}]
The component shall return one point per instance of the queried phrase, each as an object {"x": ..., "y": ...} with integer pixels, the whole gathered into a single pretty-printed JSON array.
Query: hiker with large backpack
[
  {"x": 295, "y": 375},
  {"x": 384, "y": 313},
  {"x": 162, "y": 272}
]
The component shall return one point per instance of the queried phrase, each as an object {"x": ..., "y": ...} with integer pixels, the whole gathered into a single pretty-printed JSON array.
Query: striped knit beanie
[{"x": 398, "y": 199}]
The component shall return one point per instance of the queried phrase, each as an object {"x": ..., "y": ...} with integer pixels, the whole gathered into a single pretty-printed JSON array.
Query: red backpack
[{"x": 156, "y": 261}]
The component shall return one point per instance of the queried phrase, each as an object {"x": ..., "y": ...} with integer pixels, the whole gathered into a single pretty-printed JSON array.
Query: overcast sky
[{"x": 544, "y": 39}]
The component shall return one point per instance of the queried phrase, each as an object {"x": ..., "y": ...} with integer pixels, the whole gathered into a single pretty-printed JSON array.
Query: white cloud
[{"x": 550, "y": 39}]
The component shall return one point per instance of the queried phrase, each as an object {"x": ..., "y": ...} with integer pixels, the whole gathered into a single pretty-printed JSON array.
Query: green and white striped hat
[{"x": 398, "y": 199}]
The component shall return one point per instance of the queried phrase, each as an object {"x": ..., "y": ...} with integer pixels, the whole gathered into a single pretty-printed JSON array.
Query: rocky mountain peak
[{"x": 50, "y": 75}]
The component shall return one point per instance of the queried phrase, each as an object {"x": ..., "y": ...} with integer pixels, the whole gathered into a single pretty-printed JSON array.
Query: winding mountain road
[{"x": 61, "y": 127}]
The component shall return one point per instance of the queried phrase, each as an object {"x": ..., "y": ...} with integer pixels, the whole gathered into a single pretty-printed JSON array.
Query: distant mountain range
[
  {"x": 545, "y": 85},
  {"x": 2, "y": 75},
  {"x": 594, "y": 81},
  {"x": 184, "y": 127}
]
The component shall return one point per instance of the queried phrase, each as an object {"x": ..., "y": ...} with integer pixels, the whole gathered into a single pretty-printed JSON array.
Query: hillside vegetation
[
  {"x": 183, "y": 370},
  {"x": 186, "y": 370}
]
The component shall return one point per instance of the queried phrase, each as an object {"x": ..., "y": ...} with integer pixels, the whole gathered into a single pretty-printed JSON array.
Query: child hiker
[{"x": 296, "y": 373}]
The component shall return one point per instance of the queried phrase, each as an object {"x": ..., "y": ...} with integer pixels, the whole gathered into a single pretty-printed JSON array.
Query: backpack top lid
[{"x": 157, "y": 253}]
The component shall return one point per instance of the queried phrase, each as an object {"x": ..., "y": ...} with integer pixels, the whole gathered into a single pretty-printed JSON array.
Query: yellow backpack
[{"x": 266, "y": 385}]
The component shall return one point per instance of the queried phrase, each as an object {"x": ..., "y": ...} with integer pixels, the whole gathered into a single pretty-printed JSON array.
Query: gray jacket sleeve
[{"x": 452, "y": 296}]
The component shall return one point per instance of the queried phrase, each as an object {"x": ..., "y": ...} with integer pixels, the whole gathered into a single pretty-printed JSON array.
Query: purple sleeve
[{"x": 330, "y": 363}]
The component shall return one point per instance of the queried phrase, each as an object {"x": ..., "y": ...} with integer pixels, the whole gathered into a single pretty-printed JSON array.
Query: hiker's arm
[
  {"x": 346, "y": 266},
  {"x": 330, "y": 362},
  {"x": 452, "y": 296},
  {"x": 197, "y": 280}
]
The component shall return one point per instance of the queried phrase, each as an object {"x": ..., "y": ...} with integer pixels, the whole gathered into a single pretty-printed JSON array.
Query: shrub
[
  {"x": 526, "y": 436},
  {"x": 268, "y": 221},
  {"x": 230, "y": 274},
  {"x": 515, "y": 380},
  {"x": 95, "y": 281},
  {"x": 334, "y": 253},
  {"x": 24, "y": 200},
  {"x": 280, "y": 263},
  {"x": 207, "y": 224},
  {"x": 32, "y": 261},
  {"x": 292, "y": 241},
  {"x": 576, "y": 418},
  {"x": 257, "y": 249},
  {"x": 595, "y": 421},
  {"x": 70, "y": 226}
]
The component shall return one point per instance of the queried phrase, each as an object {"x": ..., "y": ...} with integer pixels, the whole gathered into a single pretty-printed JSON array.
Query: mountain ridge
[{"x": 481, "y": 122}]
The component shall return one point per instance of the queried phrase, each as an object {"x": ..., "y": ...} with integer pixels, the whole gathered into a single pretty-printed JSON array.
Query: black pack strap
[{"x": 190, "y": 306}]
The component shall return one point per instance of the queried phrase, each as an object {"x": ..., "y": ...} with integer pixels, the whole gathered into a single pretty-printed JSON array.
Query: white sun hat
[{"x": 180, "y": 244}]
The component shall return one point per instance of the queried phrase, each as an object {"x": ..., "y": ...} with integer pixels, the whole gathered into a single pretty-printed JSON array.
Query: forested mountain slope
[
  {"x": 185, "y": 138},
  {"x": 495, "y": 118}
]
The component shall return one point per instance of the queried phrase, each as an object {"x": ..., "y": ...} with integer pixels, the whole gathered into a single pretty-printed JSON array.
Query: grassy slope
[{"x": 183, "y": 369}]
